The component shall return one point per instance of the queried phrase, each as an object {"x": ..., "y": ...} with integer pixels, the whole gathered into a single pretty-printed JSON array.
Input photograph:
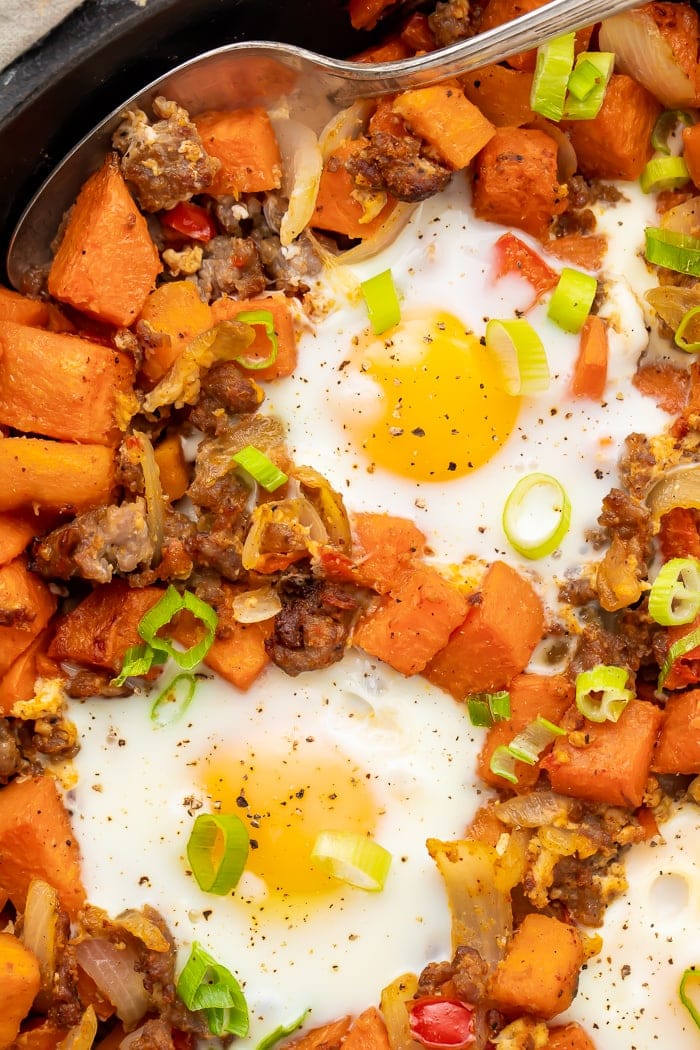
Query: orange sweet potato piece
[
  {"x": 665, "y": 384},
  {"x": 16, "y": 530},
  {"x": 176, "y": 312},
  {"x": 368, "y": 1032},
  {"x": 22, "y": 309},
  {"x": 516, "y": 181},
  {"x": 613, "y": 766},
  {"x": 678, "y": 747},
  {"x": 617, "y": 143},
  {"x": 444, "y": 117},
  {"x": 496, "y": 640},
  {"x": 691, "y": 152},
  {"x": 240, "y": 656},
  {"x": 326, "y": 1037},
  {"x": 18, "y": 682},
  {"x": 26, "y": 606},
  {"x": 61, "y": 386},
  {"x": 227, "y": 309},
  {"x": 336, "y": 209},
  {"x": 54, "y": 475},
  {"x": 44, "y": 1036},
  {"x": 172, "y": 466},
  {"x": 390, "y": 51},
  {"x": 530, "y": 695},
  {"x": 244, "y": 142},
  {"x": 585, "y": 251},
  {"x": 539, "y": 974},
  {"x": 497, "y": 12},
  {"x": 591, "y": 368},
  {"x": 502, "y": 94},
  {"x": 106, "y": 264},
  {"x": 37, "y": 842},
  {"x": 99, "y": 630},
  {"x": 385, "y": 548},
  {"x": 412, "y": 622},
  {"x": 19, "y": 985},
  {"x": 569, "y": 1037}
]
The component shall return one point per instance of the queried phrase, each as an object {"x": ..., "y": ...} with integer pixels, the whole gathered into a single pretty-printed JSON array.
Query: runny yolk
[
  {"x": 286, "y": 798},
  {"x": 437, "y": 409}
]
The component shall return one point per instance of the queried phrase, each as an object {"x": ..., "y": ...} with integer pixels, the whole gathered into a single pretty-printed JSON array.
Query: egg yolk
[
  {"x": 285, "y": 799},
  {"x": 439, "y": 409}
]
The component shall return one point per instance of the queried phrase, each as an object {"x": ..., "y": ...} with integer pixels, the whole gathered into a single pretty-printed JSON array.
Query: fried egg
[{"x": 416, "y": 424}]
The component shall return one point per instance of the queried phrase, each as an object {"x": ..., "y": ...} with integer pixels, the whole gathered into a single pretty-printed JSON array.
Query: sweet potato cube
[
  {"x": 386, "y": 548},
  {"x": 172, "y": 466},
  {"x": 106, "y": 263},
  {"x": 497, "y": 638},
  {"x": 336, "y": 209},
  {"x": 54, "y": 475},
  {"x": 19, "y": 985},
  {"x": 227, "y": 309},
  {"x": 444, "y": 117},
  {"x": 539, "y": 974},
  {"x": 61, "y": 386},
  {"x": 37, "y": 842},
  {"x": 530, "y": 695},
  {"x": 501, "y": 94},
  {"x": 413, "y": 622},
  {"x": 691, "y": 152},
  {"x": 240, "y": 655},
  {"x": 368, "y": 1032},
  {"x": 613, "y": 766},
  {"x": 18, "y": 682},
  {"x": 16, "y": 530},
  {"x": 43, "y": 1036},
  {"x": 617, "y": 143},
  {"x": 678, "y": 747},
  {"x": 176, "y": 312},
  {"x": 26, "y": 606},
  {"x": 516, "y": 181},
  {"x": 99, "y": 630},
  {"x": 569, "y": 1037},
  {"x": 244, "y": 141},
  {"x": 22, "y": 309}
]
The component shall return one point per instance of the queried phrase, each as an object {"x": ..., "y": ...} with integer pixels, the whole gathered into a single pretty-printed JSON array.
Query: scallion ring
[
  {"x": 673, "y": 250},
  {"x": 521, "y": 353},
  {"x": 260, "y": 468},
  {"x": 206, "y": 985},
  {"x": 536, "y": 516},
  {"x": 138, "y": 660},
  {"x": 281, "y": 1032},
  {"x": 690, "y": 977},
  {"x": 162, "y": 613},
  {"x": 684, "y": 645},
  {"x": 572, "y": 299},
  {"x": 355, "y": 859},
  {"x": 217, "y": 851},
  {"x": 689, "y": 321},
  {"x": 173, "y": 701},
  {"x": 674, "y": 597},
  {"x": 381, "y": 300},
  {"x": 485, "y": 709},
  {"x": 526, "y": 747},
  {"x": 265, "y": 319},
  {"x": 665, "y": 127},
  {"x": 591, "y": 75},
  {"x": 664, "y": 173},
  {"x": 555, "y": 61},
  {"x": 601, "y": 695}
]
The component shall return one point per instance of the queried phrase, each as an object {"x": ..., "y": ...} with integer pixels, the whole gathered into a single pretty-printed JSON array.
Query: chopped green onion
[
  {"x": 138, "y": 660},
  {"x": 690, "y": 977},
  {"x": 382, "y": 302},
  {"x": 572, "y": 299},
  {"x": 676, "y": 251},
  {"x": 555, "y": 60},
  {"x": 594, "y": 68},
  {"x": 206, "y": 985},
  {"x": 281, "y": 1032},
  {"x": 689, "y": 320},
  {"x": 521, "y": 353},
  {"x": 664, "y": 173},
  {"x": 260, "y": 468},
  {"x": 527, "y": 747},
  {"x": 684, "y": 645},
  {"x": 162, "y": 613},
  {"x": 217, "y": 851},
  {"x": 355, "y": 859},
  {"x": 601, "y": 695},
  {"x": 502, "y": 764},
  {"x": 674, "y": 598},
  {"x": 536, "y": 516},
  {"x": 167, "y": 703},
  {"x": 665, "y": 127},
  {"x": 267, "y": 321},
  {"x": 487, "y": 708}
]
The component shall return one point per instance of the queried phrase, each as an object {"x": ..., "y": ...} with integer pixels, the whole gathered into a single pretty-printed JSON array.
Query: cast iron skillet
[{"x": 109, "y": 49}]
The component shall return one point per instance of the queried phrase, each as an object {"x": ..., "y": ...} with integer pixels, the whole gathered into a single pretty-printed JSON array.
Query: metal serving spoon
[{"x": 315, "y": 87}]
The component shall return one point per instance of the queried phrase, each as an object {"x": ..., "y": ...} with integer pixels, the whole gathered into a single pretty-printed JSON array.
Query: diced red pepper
[
  {"x": 679, "y": 536},
  {"x": 191, "y": 220},
  {"x": 514, "y": 256},
  {"x": 441, "y": 1024}
]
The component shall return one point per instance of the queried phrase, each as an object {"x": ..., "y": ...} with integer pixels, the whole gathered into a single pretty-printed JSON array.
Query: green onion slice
[
  {"x": 527, "y": 747},
  {"x": 260, "y": 468},
  {"x": 665, "y": 127},
  {"x": 689, "y": 983},
  {"x": 664, "y": 173},
  {"x": 138, "y": 660},
  {"x": 684, "y": 645},
  {"x": 355, "y": 859},
  {"x": 690, "y": 322},
  {"x": 676, "y": 251},
  {"x": 536, "y": 516},
  {"x": 281, "y": 1032},
  {"x": 217, "y": 851},
  {"x": 674, "y": 598},
  {"x": 205, "y": 984},
  {"x": 601, "y": 695},
  {"x": 487, "y": 708},
  {"x": 572, "y": 299},
  {"x": 591, "y": 74},
  {"x": 521, "y": 353},
  {"x": 382, "y": 302},
  {"x": 162, "y": 613},
  {"x": 266, "y": 320},
  {"x": 174, "y": 700},
  {"x": 555, "y": 60}
]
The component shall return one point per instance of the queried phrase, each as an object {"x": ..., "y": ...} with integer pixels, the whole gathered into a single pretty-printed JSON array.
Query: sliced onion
[
  {"x": 254, "y": 606},
  {"x": 684, "y": 218},
  {"x": 642, "y": 51},
  {"x": 680, "y": 488},
  {"x": 40, "y": 931},
  {"x": 337, "y": 263},
  {"x": 296, "y": 515},
  {"x": 348, "y": 124},
  {"x": 153, "y": 491},
  {"x": 150, "y": 935},
  {"x": 535, "y": 810},
  {"x": 112, "y": 970},
  {"x": 566, "y": 841},
  {"x": 672, "y": 302},
  {"x": 302, "y": 165},
  {"x": 82, "y": 1035},
  {"x": 329, "y": 505},
  {"x": 394, "y": 1003}
]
